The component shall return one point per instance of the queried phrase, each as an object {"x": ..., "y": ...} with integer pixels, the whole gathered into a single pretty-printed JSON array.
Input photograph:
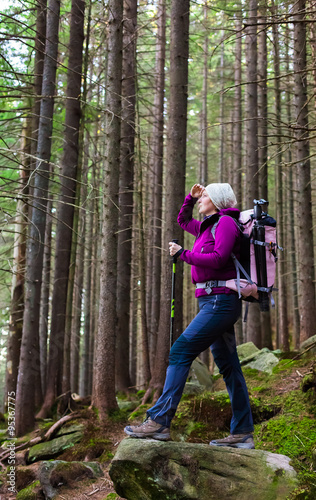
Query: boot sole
[
  {"x": 158, "y": 436},
  {"x": 247, "y": 446}
]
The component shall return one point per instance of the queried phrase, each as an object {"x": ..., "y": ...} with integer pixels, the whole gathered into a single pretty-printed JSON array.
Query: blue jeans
[{"x": 213, "y": 326}]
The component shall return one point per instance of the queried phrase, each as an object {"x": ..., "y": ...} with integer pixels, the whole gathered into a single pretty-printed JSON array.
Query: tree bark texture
[
  {"x": 17, "y": 297},
  {"x": 253, "y": 321},
  {"x": 157, "y": 167},
  {"x": 104, "y": 390},
  {"x": 282, "y": 297},
  {"x": 262, "y": 107},
  {"x": 305, "y": 221},
  {"x": 204, "y": 127},
  {"x": 65, "y": 210},
  {"x": 174, "y": 182},
  {"x": 29, "y": 369},
  {"x": 252, "y": 107},
  {"x": 237, "y": 125},
  {"x": 292, "y": 210},
  {"x": 126, "y": 195},
  {"x": 41, "y": 6}
]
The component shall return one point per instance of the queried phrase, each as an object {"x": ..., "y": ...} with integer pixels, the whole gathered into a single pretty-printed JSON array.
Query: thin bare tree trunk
[
  {"x": 158, "y": 150},
  {"x": 29, "y": 369},
  {"x": 175, "y": 183},
  {"x": 292, "y": 210},
  {"x": 41, "y": 7},
  {"x": 17, "y": 298},
  {"x": 222, "y": 166},
  {"x": 265, "y": 316},
  {"x": 45, "y": 293},
  {"x": 104, "y": 388},
  {"x": 282, "y": 297},
  {"x": 252, "y": 187},
  {"x": 205, "y": 355},
  {"x": 237, "y": 125},
  {"x": 122, "y": 377},
  {"x": 305, "y": 220},
  {"x": 65, "y": 211}
]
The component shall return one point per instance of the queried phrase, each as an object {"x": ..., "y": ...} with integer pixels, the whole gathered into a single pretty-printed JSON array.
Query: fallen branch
[
  {"x": 301, "y": 353},
  {"x": 47, "y": 436}
]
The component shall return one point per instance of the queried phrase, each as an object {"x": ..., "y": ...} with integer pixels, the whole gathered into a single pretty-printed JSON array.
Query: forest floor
[{"x": 284, "y": 411}]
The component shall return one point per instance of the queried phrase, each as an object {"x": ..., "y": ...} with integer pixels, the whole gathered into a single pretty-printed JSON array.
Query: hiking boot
[
  {"x": 235, "y": 441},
  {"x": 148, "y": 429}
]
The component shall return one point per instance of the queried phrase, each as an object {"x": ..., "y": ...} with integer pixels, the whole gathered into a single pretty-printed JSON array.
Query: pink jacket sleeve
[
  {"x": 185, "y": 219},
  {"x": 226, "y": 234}
]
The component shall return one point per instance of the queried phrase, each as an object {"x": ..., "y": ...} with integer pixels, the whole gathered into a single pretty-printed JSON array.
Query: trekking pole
[{"x": 174, "y": 261}]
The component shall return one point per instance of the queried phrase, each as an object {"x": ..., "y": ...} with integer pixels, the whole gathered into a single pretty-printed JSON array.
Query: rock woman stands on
[{"x": 219, "y": 309}]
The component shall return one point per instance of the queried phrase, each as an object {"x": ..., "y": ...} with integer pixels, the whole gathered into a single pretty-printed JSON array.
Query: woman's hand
[
  {"x": 197, "y": 190},
  {"x": 174, "y": 248}
]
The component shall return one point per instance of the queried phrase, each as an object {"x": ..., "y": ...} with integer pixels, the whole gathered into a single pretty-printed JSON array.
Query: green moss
[
  {"x": 111, "y": 496},
  {"x": 140, "y": 393},
  {"x": 30, "y": 492}
]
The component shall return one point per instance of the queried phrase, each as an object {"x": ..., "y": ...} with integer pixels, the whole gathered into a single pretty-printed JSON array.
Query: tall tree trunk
[
  {"x": 222, "y": 168},
  {"x": 292, "y": 223},
  {"x": 262, "y": 106},
  {"x": 87, "y": 299},
  {"x": 104, "y": 389},
  {"x": 65, "y": 211},
  {"x": 265, "y": 316},
  {"x": 204, "y": 127},
  {"x": 80, "y": 251},
  {"x": 237, "y": 125},
  {"x": 305, "y": 221},
  {"x": 252, "y": 186},
  {"x": 18, "y": 281},
  {"x": 126, "y": 196},
  {"x": 252, "y": 106},
  {"x": 205, "y": 355},
  {"x": 157, "y": 166},
  {"x": 313, "y": 43},
  {"x": 175, "y": 182},
  {"x": 282, "y": 302},
  {"x": 41, "y": 12},
  {"x": 142, "y": 268},
  {"x": 44, "y": 313},
  {"x": 29, "y": 369}
]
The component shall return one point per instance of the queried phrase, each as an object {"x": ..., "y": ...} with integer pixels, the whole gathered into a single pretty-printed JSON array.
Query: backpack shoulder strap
[{"x": 216, "y": 224}]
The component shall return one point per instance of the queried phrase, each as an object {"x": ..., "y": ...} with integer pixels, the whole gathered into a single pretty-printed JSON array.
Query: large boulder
[
  {"x": 200, "y": 374},
  {"x": 263, "y": 361},
  {"x": 152, "y": 470},
  {"x": 247, "y": 350},
  {"x": 251, "y": 357},
  {"x": 309, "y": 344}
]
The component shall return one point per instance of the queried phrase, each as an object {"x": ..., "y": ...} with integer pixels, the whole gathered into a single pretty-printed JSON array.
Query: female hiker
[{"x": 219, "y": 309}]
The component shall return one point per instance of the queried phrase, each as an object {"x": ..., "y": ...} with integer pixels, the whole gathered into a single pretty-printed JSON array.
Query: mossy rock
[
  {"x": 247, "y": 351},
  {"x": 308, "y": 343},
  {"x": 53, "y": 448},
  {"x": 147, "y": 469},
  {"x": 31, "y": 492},
  {"x": 193, "y": 388},
  {"x": 69, "y": 429},
  {"x": 199, "y": 373}
]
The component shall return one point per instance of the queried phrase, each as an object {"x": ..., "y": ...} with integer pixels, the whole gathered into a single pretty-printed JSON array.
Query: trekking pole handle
[{"x": 174, "y": 259}]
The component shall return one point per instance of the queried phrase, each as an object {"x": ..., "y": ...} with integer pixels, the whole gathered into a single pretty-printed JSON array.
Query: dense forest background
[{"x": 111, "y": 111}]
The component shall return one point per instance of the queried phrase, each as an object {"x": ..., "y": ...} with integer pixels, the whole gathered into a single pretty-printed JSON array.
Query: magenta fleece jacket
[{"x": 210, "y": 259}]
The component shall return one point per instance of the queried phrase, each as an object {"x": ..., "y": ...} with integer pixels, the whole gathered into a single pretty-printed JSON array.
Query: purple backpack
[{"x": 256, "y": 266}]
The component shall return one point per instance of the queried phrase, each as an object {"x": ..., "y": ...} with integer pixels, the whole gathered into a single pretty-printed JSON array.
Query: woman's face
[{"x": 206, "y": 206}]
